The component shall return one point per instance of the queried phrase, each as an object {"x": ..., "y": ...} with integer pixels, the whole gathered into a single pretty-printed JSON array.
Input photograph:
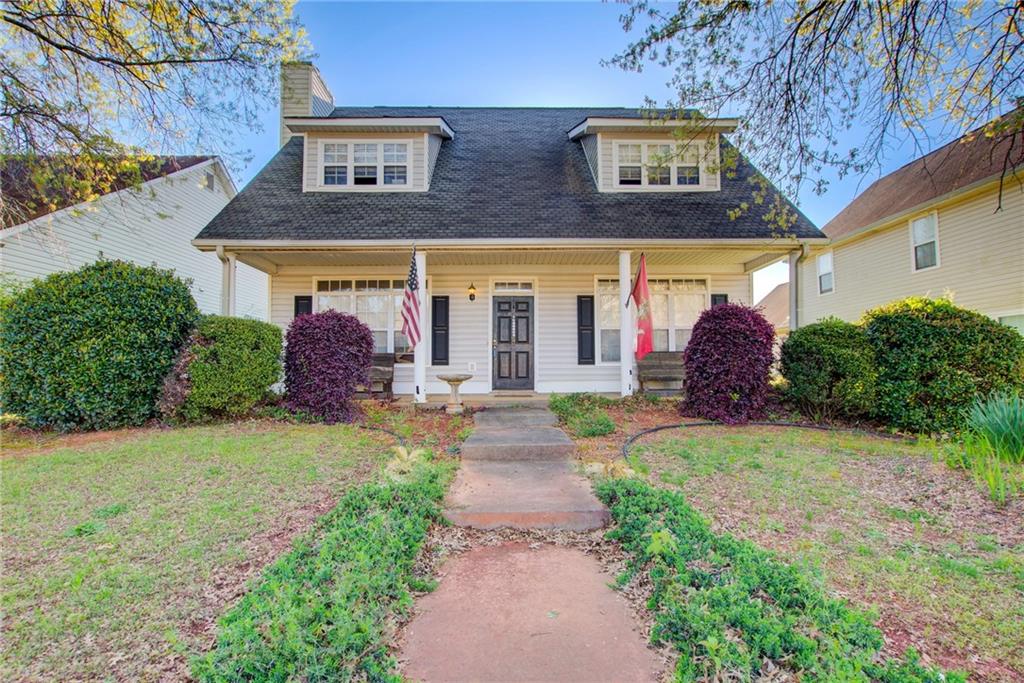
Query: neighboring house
[
  {"x": 775, "y": 308},
  {"x": 934, "y": 227},
  {"x": 148, "y": 224},
  {"x": 528, "y": 223}
]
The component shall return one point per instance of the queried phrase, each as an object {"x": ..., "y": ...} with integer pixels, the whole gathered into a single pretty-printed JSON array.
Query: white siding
[
  {"x": 590, "y": 149},
  {"x": 981, "y": 255},
  {"x": 417, "y": 161},
  {"x": 153, "y": 225},
  {"x": 556, "y": 288},
  {"x": 433, "y": 149}
]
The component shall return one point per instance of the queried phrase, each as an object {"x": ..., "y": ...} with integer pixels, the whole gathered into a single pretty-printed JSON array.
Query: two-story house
[{"x": 528, "y": 225}]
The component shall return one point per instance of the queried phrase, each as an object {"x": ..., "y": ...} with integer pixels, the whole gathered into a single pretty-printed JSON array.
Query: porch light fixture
[{"x": 472, "y": 292}]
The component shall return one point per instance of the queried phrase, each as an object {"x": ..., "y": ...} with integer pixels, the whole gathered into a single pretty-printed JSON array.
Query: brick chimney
[{"x": 303, "y": 93}]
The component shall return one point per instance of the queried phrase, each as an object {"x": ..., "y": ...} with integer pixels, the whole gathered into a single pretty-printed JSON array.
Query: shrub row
[
  {"x": 729, "y": 607},
  {"x": 917, "y": 365},
  {"x": 320, "y": 612}
]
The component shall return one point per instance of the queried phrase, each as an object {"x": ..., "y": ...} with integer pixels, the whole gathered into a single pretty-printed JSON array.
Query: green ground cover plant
[
  {"x": 584, "y": 414},
  {"x": 887, "y": 526},
  {"x": 321, "y": 612},
  {"x": 728, "y": 606},
  {"x": 121, "y": 549}
]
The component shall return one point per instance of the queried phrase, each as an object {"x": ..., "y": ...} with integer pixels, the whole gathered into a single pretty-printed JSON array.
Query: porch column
[
  {"x": 794, "y": 290},
  {"x": 626, "y": 332},
  {"x": 227, "y": 282},
  {"x": 419, "y": 369}
]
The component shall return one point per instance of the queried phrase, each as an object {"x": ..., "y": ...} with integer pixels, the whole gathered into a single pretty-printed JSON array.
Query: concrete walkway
[{"x": 518, "y": 612}]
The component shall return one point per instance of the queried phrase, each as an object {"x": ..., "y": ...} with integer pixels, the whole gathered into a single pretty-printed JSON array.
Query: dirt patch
[{"x": 630, "y": 417}]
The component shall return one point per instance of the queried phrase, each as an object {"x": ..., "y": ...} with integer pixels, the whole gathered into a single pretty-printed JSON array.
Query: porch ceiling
[{"x": 494, "y": 257}]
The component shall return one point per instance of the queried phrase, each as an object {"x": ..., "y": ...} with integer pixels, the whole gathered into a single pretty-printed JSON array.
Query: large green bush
[
  {"x": 226, "y": 369},
  {"x": 830, "y": 369},
  {"x": 934, "y": 359},
  {"x": 88, "y": 349}
]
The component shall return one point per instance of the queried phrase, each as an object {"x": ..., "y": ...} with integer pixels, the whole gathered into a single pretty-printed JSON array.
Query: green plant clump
[
  {"x": 226, "y": 370},
  {"x": 999, "y": 420},
  {"x": 729, "y": 607},
  {"x": 830, "y": 370},
  {"x": 934, "y": 359},
  {"x": 320, "y": 613},
  {"x": 583, "y": 413},
  {"x": 88, "y": 349}
]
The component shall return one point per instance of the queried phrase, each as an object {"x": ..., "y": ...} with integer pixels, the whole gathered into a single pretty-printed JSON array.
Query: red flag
[{"x": 641, "y": 295}]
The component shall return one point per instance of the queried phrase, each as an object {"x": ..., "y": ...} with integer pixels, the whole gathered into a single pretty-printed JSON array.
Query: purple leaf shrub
[
  {"x": 327, "y": 356},
  {"x": 727, "y": 363}
]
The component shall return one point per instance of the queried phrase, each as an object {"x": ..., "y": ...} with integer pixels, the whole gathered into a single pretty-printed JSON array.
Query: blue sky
[{"x": 492, "y": 54}]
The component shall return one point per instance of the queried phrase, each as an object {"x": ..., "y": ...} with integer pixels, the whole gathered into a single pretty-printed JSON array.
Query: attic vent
[{"x": 210, "y": 182}]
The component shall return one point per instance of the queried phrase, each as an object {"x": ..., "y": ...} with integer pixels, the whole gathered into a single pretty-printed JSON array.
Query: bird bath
[{"x": 454, "y": 406}]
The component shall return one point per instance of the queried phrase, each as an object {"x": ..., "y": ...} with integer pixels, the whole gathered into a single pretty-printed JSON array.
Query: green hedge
[
  {"x": 830, "y": 370},
  {"x": 321, "y": 612},
  {"x": 729, "y": 608},
  {"x": 231, "y": 365},
  {"x": 934, "y": 359},
  {"x": 88, "y": 349}
]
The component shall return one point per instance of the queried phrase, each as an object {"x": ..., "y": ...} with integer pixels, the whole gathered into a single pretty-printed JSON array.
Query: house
[
  {"x": 948, "y": 223},
  {"x": 151, "y": 223},
  {"x": 528, "y": 225},
  {"x": 775, "y": 308}
]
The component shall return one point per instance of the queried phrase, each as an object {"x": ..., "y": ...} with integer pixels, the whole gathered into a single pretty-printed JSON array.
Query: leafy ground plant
[
  {"x": 321, "y": 612},
  {"x": 122, "y": 548},
  {"x": 584, "y": 414},
  {"x": 999, "y": 419},
  {"x": 729, "y": 607}
]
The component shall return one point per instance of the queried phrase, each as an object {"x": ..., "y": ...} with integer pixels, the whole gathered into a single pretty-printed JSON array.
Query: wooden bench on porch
[
  {"x": 382, "y": 375},
  {"x": 662, "y": 367}
]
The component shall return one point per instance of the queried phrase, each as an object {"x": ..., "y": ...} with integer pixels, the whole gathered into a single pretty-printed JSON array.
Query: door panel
[{"x": 513, "y": 342}]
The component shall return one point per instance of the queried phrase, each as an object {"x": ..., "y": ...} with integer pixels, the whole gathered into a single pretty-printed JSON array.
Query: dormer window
[
  {"x": 364, "y": 164},
  {"x": 658, "y": 166}
]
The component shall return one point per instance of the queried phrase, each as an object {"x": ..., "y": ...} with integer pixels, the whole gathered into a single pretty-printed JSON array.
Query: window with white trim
[
  {"x": 377, "y": 303},
  {"x": 924, "y": 239},
  {"x": 826, "y": 278},
  {"x": 655, "y": 165},
  {"x": 676, "y": 304},
  {"x": 364, "y": 164}
]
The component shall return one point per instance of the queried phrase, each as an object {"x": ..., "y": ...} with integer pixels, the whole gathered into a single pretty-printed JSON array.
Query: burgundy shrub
[
  {"x": 727, "y": 363},
  {"x": 327, "y": 356}
]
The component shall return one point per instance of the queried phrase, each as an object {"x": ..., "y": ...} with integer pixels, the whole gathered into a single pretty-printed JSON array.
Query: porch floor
[{"x": 496, "y": 399}]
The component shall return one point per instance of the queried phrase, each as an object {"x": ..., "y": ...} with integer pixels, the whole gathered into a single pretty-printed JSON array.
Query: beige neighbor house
[
  {"x": 775, "y": 308},
  {"x": 528, "y": 223},
  {"x": 946, "y": 224},
  {"x": 149, "y": 224}
]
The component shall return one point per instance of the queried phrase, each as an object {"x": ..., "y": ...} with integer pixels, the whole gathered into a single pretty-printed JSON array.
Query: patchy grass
[
  {"x": 889, "y": 527},
  {"x": 120, "y": 553}
]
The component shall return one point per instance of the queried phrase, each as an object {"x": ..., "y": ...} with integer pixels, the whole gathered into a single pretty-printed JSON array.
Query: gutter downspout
[
  {"x": 796, "y": 257},
  {"x": 227, "y": 281}
]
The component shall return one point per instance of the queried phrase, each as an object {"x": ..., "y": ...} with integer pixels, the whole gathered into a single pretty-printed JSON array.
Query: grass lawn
[
  {"x": 119, "y": 555},
  {"x": 890, "y": 528}
]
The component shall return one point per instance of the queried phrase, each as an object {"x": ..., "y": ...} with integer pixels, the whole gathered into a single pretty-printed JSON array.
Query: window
[
  {"x": 675, "y": 306},
  {"x": 526, "y": 286},
  {"x": 1014, "y": 321},
  {"x": 657, "y": 164},
  {"x": 924, "y": 237},
  {"x": 826, "y": 281},
  {"x": 364, "y": 164},
  {"x": 377, "y": 303}
]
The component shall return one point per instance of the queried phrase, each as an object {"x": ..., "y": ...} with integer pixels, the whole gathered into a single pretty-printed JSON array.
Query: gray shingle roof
[{"x": 510, "y": 173}]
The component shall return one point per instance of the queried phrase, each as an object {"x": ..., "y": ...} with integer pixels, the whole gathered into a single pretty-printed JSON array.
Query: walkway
[{"x": 518, "y": 612}]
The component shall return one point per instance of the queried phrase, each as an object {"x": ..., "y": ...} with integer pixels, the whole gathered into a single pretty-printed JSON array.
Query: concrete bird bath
[{"x": 454, "y": 406}]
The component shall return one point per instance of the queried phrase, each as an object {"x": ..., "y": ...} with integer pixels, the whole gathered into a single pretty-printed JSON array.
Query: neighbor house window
[
  {"x": 377, "y": 304},
  {"x": 826, "y": 279},
  {"x": 924, "y": 236},
  {"x": 657, "y": 164},
  {"x": 1014, "y": 321},
  {"x": 365, "y": 164},
  {"x": 675, "y": 306}
]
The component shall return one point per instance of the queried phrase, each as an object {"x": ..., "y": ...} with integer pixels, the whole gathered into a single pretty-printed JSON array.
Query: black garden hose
[
  {"x": 799, "y": 425},
  {"x": 373, "y": 428}
]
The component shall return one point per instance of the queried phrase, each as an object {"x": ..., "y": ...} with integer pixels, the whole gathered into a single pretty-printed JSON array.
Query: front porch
[{"x": 523, "y": 322}]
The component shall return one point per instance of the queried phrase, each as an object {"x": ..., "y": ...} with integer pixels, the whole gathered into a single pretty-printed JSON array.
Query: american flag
[{"x": 411, "y": 305}]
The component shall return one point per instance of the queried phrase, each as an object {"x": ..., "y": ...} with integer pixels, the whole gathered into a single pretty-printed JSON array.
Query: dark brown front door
[{"x": 513, "y": 342}]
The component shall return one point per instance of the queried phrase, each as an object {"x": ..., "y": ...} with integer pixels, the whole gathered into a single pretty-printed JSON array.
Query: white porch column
[
  {"x": 419, "y": 369},
  {"x": 794, "y": 290},
  {"x": 626, "y": 332},
  {"x": 227, "y": 282}
]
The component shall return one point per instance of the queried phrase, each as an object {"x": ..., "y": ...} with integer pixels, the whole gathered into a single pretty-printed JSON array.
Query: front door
[{"x": 512, "y": 343}]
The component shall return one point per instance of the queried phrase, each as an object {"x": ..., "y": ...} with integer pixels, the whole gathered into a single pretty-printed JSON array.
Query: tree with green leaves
[
  {"x": 91, "y": 90},
  {"x": 831, "y": 85}
]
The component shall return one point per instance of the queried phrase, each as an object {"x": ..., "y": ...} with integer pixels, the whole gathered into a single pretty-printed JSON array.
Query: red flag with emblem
[{"x": 641, "y": 296}]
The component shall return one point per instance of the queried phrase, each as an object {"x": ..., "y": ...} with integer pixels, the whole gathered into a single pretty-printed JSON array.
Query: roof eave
[
  {"x": 412, "y": 124},
  {"x": 603, "y": 124}
]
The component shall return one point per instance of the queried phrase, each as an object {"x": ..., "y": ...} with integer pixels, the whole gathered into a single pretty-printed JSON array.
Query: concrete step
[
  {"x": 514, "y": 418},
  {"x": 520, "y": 443},
  {"x": 523, "y": 495}
]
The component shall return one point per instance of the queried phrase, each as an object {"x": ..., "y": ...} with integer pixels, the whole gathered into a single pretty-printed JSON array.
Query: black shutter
[
  {"x": 439, "y": 330},
  {"x": 717, "y": 299},
  {"x": 585, "y": 330},
  {"x": 303, "y": 305}
]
